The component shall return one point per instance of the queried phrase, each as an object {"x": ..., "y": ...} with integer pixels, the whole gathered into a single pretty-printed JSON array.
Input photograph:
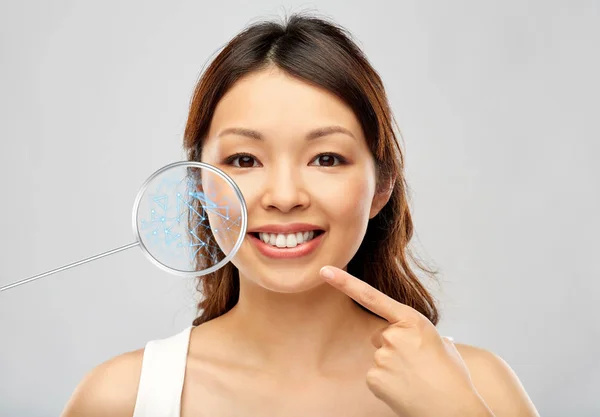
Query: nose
[{"x": 284, "y": 189}]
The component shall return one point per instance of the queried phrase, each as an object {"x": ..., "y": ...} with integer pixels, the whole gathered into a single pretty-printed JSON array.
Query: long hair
[{"x": 323, "y": 54}]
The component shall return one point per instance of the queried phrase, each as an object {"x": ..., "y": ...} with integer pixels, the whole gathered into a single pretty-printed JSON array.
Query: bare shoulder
[
  {"x": 110, "y": 389},
  {"x": 496, "y": 383}
]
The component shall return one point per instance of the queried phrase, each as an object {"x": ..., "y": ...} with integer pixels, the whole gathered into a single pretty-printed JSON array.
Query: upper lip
[{"x": 284, "y": 228}]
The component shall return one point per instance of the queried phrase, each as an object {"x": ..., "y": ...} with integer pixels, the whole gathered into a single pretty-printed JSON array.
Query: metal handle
[{"x": 45, "y": 274}]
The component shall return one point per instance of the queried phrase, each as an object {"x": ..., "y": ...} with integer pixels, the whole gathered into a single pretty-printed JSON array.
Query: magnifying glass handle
[{"x": 45, "y": 274}]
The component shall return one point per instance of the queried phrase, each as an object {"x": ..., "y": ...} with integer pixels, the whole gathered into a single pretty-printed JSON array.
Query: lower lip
[{"x": 283, "y": 253}]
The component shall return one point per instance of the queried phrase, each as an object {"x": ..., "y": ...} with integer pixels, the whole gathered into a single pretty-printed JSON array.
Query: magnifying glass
[{"x": 189, "y": 219}]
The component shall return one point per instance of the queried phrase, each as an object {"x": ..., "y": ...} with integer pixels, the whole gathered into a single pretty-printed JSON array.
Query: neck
[{"x": 310, "y": 332}]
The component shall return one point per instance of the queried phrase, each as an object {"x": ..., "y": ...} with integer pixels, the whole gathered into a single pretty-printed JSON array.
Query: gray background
[{"x": 498, "y": 104}]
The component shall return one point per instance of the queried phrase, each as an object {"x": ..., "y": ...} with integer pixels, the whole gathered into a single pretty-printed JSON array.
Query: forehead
[{"x": 273, "y": 101}]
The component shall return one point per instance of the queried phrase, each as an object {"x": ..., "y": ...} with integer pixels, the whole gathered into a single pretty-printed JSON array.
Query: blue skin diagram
[{"x": 178, "y": 232}]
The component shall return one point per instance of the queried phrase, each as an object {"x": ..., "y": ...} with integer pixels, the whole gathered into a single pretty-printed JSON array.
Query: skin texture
[{"x": 296, "y": 344}]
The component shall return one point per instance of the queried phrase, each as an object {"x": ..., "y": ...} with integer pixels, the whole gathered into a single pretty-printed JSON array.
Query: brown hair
[{"x": 322, "y": 54}]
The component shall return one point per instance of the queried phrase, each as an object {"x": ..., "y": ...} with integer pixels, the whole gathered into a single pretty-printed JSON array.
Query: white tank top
[{"x": 161, "y": 379}]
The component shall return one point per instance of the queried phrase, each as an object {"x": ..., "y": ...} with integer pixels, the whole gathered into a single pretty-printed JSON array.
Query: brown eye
[
  {"x": 246, "y": 162},
  {"x": 241, "y": 161},
  {"x": 328, "y": 160}
]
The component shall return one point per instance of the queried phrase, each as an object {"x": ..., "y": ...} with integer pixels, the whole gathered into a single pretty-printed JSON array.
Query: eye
[
  {"x": 243, "y": 160},
  {"x": 329, "y": 159}
]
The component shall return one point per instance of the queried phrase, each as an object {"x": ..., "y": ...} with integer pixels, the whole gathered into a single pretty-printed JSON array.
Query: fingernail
[{"x": 326, "y": 273}]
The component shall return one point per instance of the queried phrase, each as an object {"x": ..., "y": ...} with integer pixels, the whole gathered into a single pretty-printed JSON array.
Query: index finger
[{"x": 367, "y": 296}]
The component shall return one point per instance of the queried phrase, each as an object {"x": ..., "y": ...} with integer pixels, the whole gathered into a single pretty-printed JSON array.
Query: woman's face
[{"x": 299, "y": 156}]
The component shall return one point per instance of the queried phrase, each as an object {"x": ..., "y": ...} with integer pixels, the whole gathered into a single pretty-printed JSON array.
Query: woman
[{"x": 321, "y": 312}]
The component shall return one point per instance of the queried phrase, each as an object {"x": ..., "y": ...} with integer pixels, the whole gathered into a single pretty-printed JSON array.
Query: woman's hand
[{"x": 417, "y": 372}]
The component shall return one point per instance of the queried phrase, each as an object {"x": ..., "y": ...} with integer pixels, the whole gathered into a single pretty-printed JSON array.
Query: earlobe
[{"x": 381, "y": 197}]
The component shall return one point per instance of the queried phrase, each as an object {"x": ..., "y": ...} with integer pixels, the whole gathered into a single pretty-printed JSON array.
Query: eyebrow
[{"x": 313, "y": 134}]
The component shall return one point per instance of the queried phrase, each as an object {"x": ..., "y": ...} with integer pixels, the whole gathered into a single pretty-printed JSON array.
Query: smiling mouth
[{"x": 287, "y": 240}]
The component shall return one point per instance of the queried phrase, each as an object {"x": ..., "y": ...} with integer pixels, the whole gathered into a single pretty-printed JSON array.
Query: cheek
[
  {"x": 346, "y": 207},
  {"x": 347, "y": 198},
  {"x": 223, "y": 207}
]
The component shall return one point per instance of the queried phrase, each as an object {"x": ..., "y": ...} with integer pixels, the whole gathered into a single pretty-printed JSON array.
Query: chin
[
  {"x": 291, "y": 288},
  {"x": 285, "y": 280}
]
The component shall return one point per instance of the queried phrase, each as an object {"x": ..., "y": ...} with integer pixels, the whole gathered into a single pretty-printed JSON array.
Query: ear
[{"x": 382, "y": 196}]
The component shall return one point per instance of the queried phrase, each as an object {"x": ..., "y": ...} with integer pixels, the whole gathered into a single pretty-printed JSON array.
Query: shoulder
[
  {"x": 110, "y": 389},
  {"x": 496, "y": 382}
]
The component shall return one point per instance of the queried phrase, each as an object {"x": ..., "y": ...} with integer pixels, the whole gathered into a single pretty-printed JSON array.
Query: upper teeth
[{"x": 286, "y": 240}]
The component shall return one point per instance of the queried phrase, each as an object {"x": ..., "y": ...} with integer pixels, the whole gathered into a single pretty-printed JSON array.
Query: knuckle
[
  {"x": 382, "y": 357},
  {"x": 389, "y": 337},
  {"x": 417, "y": 321},
  {"x": 374, "y": 379},
  {"x": 367, "y": 296},
  {"x": 420, "y": 322}
]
